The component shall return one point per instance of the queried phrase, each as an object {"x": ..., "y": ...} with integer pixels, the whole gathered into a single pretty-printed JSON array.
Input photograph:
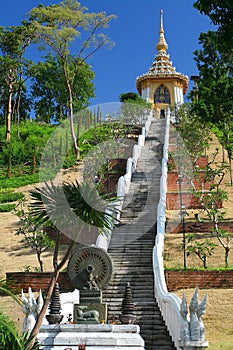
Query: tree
[
  {"x": 193, "y": 130},
  {"x": 34, "y": 237},
  {"x": 133, "y": 97},
  {"x": 221, "y": 14},
  {"x": 49, "y": 91},
  {"x": 215, "y": 87},
  {"x": 13, "y": 43},
  {"x": 57, "y": 26},
  {"x": 200, "y": 249},
  {"x": 72, "y": 208},
  {"x": 211, "y": 195},
  {"x": 215, "y": 65},
  {"x": 208, "y": 185}
]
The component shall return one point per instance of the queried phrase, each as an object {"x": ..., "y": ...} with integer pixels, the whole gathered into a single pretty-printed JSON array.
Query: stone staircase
[{"x": 132, "y": 244}]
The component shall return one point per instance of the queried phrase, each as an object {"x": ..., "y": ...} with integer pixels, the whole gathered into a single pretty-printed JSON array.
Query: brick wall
[
  {"x": 173, "y": 185},
  {"x": 175, "y": 280},
  {"x": 196, "y": 227},
  {"x": 204, "y": 279},
  {"x": 37, "y": 281}
]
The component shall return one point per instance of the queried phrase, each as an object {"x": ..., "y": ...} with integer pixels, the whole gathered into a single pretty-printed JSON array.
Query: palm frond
[{"x": 70, "y": 206}]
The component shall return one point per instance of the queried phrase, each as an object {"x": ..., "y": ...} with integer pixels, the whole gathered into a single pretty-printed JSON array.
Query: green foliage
[
  {"x": 11, "y": 197},
  {"x": 11, "y": 339},
  {"x": 50, "y": 94},
  {"x": 7, "y": 207},
  {"x": 6, "y": 190},
  {"x": 62, "y": 201},
  {"x": 33, "y": 137},
  {"x": 215, "y": 65},
  {"x": 212, "y": 200},
  {"x": 194, "y": 133},
  {"x": 34, "y": 237},
  {"x": 200, "y": 249},
  {"x": 18, "y": 181},
  {"x": 133, "y": 97},
  {"x": 220, "y": 12}
]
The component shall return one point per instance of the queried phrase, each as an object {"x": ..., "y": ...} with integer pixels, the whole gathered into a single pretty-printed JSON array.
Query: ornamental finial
[
  {"x": 161, "y": 19},
  {"x": 161, "y": 45}
]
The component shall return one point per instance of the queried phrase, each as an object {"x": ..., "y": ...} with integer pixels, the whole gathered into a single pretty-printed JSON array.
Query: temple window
[{"x": 162, "y": 95}]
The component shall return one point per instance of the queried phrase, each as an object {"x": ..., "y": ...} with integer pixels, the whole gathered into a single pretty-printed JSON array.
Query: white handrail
[
  {"x": 169, "y": 303},
  {"x": 123, "y": 184}
]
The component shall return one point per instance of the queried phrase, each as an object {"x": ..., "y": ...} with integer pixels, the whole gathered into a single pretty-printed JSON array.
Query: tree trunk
[
  {"x": 9, "y": 113},
  {"x": 34, "y": 161},
  {"x": 227, "y": 251},
  {"x": 69, "y": 89},
  {"x": 18, "y": 114},
  {"x": 40, "y": 262},
  {"x": 75, "y": 145},
  {"x": 230, "y": 171},
  {"x": 53, "y": 280},
  {"x": 39, "y": 321},
  {"x": 9, "y": 166}
]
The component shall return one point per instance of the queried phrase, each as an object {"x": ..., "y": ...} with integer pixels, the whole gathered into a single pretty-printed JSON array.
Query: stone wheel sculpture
[{"x": 88, "y": 261}]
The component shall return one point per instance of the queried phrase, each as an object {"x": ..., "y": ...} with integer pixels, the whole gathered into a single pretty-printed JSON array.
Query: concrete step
[{"x": 132, "y": 242}]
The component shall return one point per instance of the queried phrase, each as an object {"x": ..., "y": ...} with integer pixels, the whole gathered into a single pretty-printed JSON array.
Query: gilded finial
[
  {"x": 161, "y": 19},
  {"x": 161, "y": 45}
]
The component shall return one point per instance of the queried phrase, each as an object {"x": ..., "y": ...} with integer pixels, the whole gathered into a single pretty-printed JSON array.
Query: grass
[
  {"x": 7, "y": 196},
  {"x": 11, "y": 197},
  {"x": 18, "y": 181},
  {"x": 218, "y": 319},
  {"x": 7, "y": 207},
  {"x": 173, "y": 254}
]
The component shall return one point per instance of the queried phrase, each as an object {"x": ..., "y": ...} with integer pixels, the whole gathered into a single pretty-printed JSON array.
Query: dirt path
[{"x": 14, "y": 256}]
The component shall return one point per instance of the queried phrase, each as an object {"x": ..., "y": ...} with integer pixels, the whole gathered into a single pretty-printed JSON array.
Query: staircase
[{"x": 132, "y": 242}]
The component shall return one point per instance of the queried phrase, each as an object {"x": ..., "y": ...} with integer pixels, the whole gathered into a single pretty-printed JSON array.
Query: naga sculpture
[{"x": 192, "y": 328}]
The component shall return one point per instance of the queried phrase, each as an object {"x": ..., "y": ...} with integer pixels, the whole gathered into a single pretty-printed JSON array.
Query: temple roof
[{"x": 162, "y": 66}]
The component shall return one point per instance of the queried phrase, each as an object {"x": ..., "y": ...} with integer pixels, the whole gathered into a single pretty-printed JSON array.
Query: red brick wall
[
  {"x": 175, "y": 280},
  {"x": 37, "y": 281},
  {"x": 173, "y": 186},
  {"x": 195, "y": 227},
  {"x": 173, "y": 201},
  {"x": 204, "y": 279}
]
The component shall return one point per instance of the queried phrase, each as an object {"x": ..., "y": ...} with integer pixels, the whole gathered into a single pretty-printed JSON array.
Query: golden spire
[{"x": 162, "y": 44}]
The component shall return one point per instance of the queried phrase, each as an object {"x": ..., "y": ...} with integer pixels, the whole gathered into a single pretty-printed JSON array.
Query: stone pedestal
[
  {"x": 194, "y": 345},
  {"x": 100, "y": 308},
  {"x": 94, "y": 337},
  {"x": 89, "y": 297}
]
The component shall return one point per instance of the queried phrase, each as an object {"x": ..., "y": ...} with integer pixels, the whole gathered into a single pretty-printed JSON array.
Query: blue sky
[{"x": 135, "y": 33}]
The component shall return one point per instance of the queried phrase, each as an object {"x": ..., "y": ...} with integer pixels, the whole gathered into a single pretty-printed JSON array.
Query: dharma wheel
[{"x": 90, "y": 268}]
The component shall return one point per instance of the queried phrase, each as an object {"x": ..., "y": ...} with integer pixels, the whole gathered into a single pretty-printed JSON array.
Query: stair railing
[
  {"x": 124, "y": 181},
  {"x": 187, "y": 332},
  {"x": 169, "y": 303}
]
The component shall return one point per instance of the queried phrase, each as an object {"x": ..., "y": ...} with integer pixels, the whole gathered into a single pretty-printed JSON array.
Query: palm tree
[{"x": 72, "y": 208}]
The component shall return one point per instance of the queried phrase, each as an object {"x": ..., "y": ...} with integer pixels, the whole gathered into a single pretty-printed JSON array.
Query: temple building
[{"x": 162, "y": 85}]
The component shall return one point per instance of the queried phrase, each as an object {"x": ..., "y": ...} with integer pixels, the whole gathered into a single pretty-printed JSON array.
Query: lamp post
[
  {"x": 182, "y": 212},
  {"x": 182, "y": 215},
  {"x": 196, "y": 79}
]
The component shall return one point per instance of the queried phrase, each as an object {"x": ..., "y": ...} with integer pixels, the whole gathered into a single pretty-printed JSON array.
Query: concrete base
[
  {"x": 194, "y": 345},
  {"x": 95, "y": 337}
]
